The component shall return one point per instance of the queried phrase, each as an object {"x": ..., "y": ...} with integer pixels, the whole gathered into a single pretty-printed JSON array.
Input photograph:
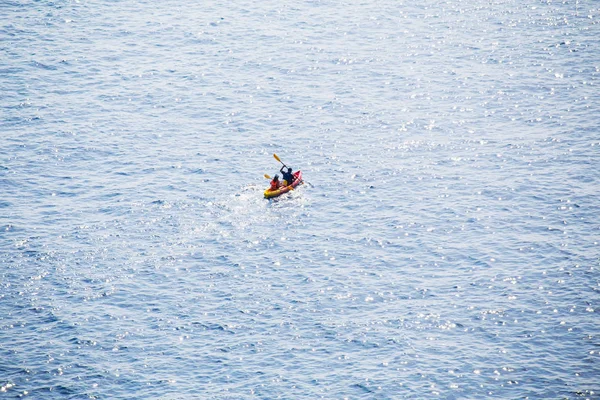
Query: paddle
[{"x": 278, "y": 159}]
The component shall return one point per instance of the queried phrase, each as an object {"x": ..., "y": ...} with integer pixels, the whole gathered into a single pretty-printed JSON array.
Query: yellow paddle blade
[
  {"x": 267, "y": 176},
  {"x": 277, "y": 158}
]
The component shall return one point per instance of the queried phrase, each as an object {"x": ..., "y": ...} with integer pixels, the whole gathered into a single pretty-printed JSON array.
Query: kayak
[{"x": 284, "y": 189}]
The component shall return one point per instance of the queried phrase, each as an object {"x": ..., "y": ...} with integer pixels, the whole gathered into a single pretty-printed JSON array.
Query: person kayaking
[
  {"x": 275, "y": 184},
  {"x": 292, "y": 179},
  {"x": 288, "y": 176}
]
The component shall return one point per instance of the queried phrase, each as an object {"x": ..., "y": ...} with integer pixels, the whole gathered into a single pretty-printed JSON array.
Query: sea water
[{"x": 444, "y": 245}]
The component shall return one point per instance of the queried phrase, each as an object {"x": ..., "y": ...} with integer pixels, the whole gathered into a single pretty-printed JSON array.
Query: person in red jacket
[{"x": 275, "y": 184}]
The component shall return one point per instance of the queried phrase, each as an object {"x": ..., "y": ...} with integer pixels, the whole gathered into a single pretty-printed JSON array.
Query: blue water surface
[{"x": 445, "y": 244}]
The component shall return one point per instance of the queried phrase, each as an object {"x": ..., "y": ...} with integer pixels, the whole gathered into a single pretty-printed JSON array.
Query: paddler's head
[
  {"x": 276, "y": 178},
  {"x": 289, "y": 170}
]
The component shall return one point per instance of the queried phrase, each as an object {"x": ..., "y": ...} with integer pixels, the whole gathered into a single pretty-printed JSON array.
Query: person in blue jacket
[{"x": 288, "y": 176}]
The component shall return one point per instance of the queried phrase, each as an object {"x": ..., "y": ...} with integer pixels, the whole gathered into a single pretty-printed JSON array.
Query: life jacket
[{"x": 274, "y": 184}]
